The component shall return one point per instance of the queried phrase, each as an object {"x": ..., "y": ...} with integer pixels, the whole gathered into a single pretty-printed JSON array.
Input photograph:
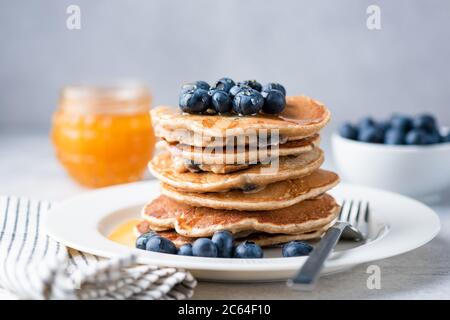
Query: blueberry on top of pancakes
[
  {"x": 221, "y": 101},
  {"x": 274, "y": 101},
  {"x": 248, "y": 102},
  {"x": 252, "y": 84},
  {"x": 194, "y": 101},
  {"x": 274, "y": 86},
  {"x": 224, "y": 84}
]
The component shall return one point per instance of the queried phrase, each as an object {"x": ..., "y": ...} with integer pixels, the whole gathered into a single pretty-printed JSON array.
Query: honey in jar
[{"x": 103, "y": 135}]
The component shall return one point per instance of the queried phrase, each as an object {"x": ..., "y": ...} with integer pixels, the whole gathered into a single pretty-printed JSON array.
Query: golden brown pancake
[
  {"x": 262, "y": 239},
  {"x": 276, "y": 195},
  {"x": 289, "y": 167},
  {"x": 302, "y": 117},
  {"x": 241, "y": 155},
  {"x": 192, "y": 221}
]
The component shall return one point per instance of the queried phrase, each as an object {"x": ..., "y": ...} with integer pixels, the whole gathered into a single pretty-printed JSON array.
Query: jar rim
[{"x": 122, "y": 91}]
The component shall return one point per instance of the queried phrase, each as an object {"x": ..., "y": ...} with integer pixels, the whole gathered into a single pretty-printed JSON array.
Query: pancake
[
  {"x": 276, "y": 195},
  {"x": 181, "y": 165},
  {"x": 262, "y": 239},
  {"x": 290, "y": 167},
  {"x": 189, "y": 138},
  {"x": 302, "y": 117},
  {"x": 189, "y": 221},
  {"x": 241, "y": 155}
]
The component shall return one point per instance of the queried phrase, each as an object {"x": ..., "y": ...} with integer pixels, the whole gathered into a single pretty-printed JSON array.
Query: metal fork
[{"x": 351, "y": 224}]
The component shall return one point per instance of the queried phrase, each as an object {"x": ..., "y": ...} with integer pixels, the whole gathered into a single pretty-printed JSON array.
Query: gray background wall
[{"x": 320, "y": 48}]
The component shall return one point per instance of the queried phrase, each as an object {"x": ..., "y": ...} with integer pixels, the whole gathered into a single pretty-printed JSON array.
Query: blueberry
[
  {"x": 252, "y": 84},
  {"x": 296, "y": 249},
  {"x": 366, "y": 122},
  {"x": 224, "y": 84},
  {"x": 141, "y": 241},
  {"x": 425, "y": 122},
  {"x": 416, "y": 137},
  {"x": 185, "y": 250},
  {"x": 224, "y": 243},
  {"x": 273, "y": 85},
  {"x": 370, "y": 134},
  {"x": 204, "y": 247},
  {"x": 384, "y": 126},
  {"x": 446, "y": 138},
  {"x": 394, "y": 136},
  {"x": 234, "y": 90},
  {"x": 221, "y": 101},
  {"x": 247, "y": 102},
  {"x": 195, "y": 85},
  {"x": 433, "y": 137},
  {"x": 274, "y": 102},
  {"x": 248, "y": 250},
  {"x": 194, "y": 101},
  {"x": 160, "y": 244},
  {"x": 401, "y": 122},
  {"x": 349, "y": 131}
]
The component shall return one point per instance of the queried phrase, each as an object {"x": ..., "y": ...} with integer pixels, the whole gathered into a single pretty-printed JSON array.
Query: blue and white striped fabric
[{"x": 33, "y": 266}]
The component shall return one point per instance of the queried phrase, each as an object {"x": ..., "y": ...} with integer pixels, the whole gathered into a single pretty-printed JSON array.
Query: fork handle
[{"x": 306, "y": 278}]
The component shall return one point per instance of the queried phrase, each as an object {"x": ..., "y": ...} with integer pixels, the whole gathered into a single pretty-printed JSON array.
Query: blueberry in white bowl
[
  {"x": 248, "y": 250},
  {"x": 412, "y": 158}
]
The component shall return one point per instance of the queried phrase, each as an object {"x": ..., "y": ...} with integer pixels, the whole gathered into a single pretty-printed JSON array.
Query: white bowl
[{"x": 410, "y": 170}]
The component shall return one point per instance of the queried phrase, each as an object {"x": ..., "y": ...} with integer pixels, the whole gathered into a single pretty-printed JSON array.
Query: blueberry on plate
[
  {"x": 296, "y": 249},
  {"x": 221, "y": 101},
  {"x": 274, "y": 102},
  {"x": 247, "y": 102},
  {"x": 160, "y": 244},
  {"x": 366, "y": 122},
  {"x": 416, "y": 137},
  {"x": 195, "y": 85},
  {"x": 425, "y": 122},
  {"x": 204, "y": 247},
  {"x": 349, "y": 131},
  {"x": 224, "y": 84},
  {"x": 274, "y": 86},
  {"x": 185, "y": 250},
  {"x": 248, "y": 250},
  {"x": 224, "y": 242},
  {"x": 401, "y": 122},
  {"x": 194, "y": 101},
  {"x": 141, "y": 241},
  {"x": 252, "y": 84},
  {"x": 370, "y": 134},
  {"x": 394, "y": 136}
]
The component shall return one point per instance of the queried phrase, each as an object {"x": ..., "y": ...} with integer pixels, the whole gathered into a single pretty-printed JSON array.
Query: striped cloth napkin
[{"x": 33, "y": 266}]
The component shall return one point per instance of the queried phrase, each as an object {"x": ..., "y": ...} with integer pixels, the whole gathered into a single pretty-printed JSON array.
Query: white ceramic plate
[{"x": 399, "y": 224}]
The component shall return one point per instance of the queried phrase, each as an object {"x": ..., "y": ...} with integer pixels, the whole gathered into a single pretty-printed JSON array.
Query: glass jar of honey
[{"x": 103, "y": 135}]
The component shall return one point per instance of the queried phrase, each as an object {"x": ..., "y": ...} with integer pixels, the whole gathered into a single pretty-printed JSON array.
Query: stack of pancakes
[{"x": 214, "y": 177}]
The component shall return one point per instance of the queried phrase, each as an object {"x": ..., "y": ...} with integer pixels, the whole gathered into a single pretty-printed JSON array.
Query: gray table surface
[{"x": 28, "y": 168}]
